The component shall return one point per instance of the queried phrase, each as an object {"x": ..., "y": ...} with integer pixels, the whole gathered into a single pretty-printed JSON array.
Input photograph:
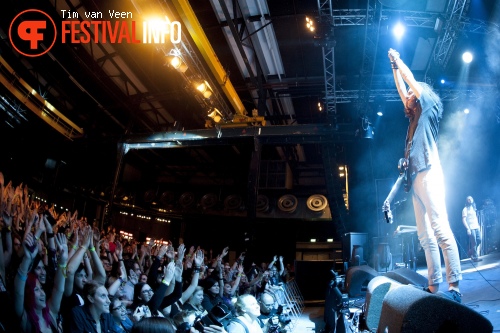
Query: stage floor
[{"x": 480, "y": 288}]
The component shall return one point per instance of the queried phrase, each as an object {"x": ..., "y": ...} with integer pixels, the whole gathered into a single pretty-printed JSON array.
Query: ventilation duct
[
  {"x": 209, "y": 201},
  {"x": 287, "y": 203},
  {"x": 233, "y": 202},
  {"x": 149, "y": 195},
  {"x": 167, "y": 198},
  {"x": 187, "y": 199},
  {"x": 317, "y": 203},
  {"x": 262, "y": 205}
]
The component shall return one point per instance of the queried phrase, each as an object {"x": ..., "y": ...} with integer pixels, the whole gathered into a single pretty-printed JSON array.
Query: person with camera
[
  {"x": 272, "y": 315},
  {"x": 214, "y": 321},
  {"x": 147, "y": 303}
]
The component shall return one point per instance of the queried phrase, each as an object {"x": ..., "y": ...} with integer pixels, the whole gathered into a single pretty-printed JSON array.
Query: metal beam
[
  {"x": 196, "y": 31},
  {"x": 372, "y": 28},
  {"x": 279, "y": 135},
  {"x": 325, "y": 14},
  {"x": 356, "y": 17},
  {"x": 447, "y": 41},
  {"x": 391, "y": 95},
  {"x": 36, "y": 103}
]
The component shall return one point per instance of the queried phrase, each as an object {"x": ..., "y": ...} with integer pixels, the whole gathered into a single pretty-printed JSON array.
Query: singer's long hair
[
  {"x": 473, "y": 205},
  {"x": 435, "y": 97}
]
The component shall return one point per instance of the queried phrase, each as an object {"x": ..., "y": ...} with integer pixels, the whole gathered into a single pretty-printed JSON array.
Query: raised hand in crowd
[
  {"x": 189, "y": 257},
  {"x": 134, "y": 250},
  {"x": 2, "y": 180},
  {"x": 6, "y": 255},
  {"x": 162, "y": 251},
  {"x": 199, "y": 259},
  {"x": 180, "y": 253},
  {"x": 170, "y": 253},
  {"x": 169, "y": 272},
  {"x": 76, "y": 244},
  {"x": 9, "y": 197},
  {"x": 118, "y": 251},
  {"x": 225, "y": 251}
]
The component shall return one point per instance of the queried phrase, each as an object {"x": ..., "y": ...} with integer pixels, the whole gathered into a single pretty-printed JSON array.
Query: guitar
[
  {"x": 403, "y": 172},
  {"x": 403, "y": 179}
]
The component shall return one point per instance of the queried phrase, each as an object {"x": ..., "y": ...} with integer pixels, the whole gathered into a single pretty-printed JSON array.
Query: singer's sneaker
[{"x": 451, "y": 294}]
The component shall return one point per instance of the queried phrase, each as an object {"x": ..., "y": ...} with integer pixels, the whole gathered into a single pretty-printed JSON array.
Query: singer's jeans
[{"x": 433, "y": 226}]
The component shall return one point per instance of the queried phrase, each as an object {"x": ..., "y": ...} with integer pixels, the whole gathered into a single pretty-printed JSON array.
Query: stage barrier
[{"x": 292, "y": 301}]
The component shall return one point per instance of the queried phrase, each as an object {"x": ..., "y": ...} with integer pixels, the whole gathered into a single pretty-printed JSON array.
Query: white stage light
[
  {"x": 398, "y": 30},
  {"x": 467, "y": 57}
]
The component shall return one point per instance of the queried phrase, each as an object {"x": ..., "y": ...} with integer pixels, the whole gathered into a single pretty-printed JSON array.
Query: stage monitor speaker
[
  {"x": 407, "y": 309},
  {"x": 352, "y": 241},
  {"x": 407, "y": 276},
  {"x": 378, "y": 287},
  {"x": 357, "y": 279}
]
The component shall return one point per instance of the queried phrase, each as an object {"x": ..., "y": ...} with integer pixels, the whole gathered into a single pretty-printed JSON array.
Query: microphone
[{"x": 388, "y": 216}]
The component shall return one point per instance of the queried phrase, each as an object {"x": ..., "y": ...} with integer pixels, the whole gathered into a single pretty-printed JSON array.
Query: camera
[
  {"x": 183, "y": 328},
  {"x": 283, "y": 316},
  {"x": 278, "y": 320},
  {"x": 220, "y": 315}
]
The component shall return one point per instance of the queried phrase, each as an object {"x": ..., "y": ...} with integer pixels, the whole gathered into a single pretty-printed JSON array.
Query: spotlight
[
  {"x": 466, "y": 111},
  {"x": 215, "y": 115},
  {"x": 467, "y": 57},
  {"x": 443, "y": 81},
  {"x": 310, "y": 24},
  {"x": 174, "y": 59},
  {"x": 398, "y": 30},
  {"x": 205, "y": 89},
  {"x": 380, "y": 114}
]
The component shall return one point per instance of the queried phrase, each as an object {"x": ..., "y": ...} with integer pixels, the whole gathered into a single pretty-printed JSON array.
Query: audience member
[
  {"x": 94, "y": 316},
  {"x": 248, "y": 311},
  {"x": 65, "y": 275}
]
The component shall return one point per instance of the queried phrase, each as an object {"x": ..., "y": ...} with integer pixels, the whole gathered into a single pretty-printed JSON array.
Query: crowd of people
[{"x": 64, "y": 275}]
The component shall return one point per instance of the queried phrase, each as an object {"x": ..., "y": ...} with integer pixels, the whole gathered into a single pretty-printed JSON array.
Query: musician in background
[
  {"x": 423, "y": 108},
  {"x": 469, "y": 219}
]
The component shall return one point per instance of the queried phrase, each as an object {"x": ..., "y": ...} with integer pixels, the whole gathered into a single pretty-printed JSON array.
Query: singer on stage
[{"x": 423, "y": 108}]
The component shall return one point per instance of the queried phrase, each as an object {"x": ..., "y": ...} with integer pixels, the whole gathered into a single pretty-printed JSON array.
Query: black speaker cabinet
[
  {"x": 357, "y": 279},
  {"x": 378, "y": 287},
  {"x": 407, "y": 276},
  {"x": 407, "y": 309},
  {"x": 351, "y": 240}
]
